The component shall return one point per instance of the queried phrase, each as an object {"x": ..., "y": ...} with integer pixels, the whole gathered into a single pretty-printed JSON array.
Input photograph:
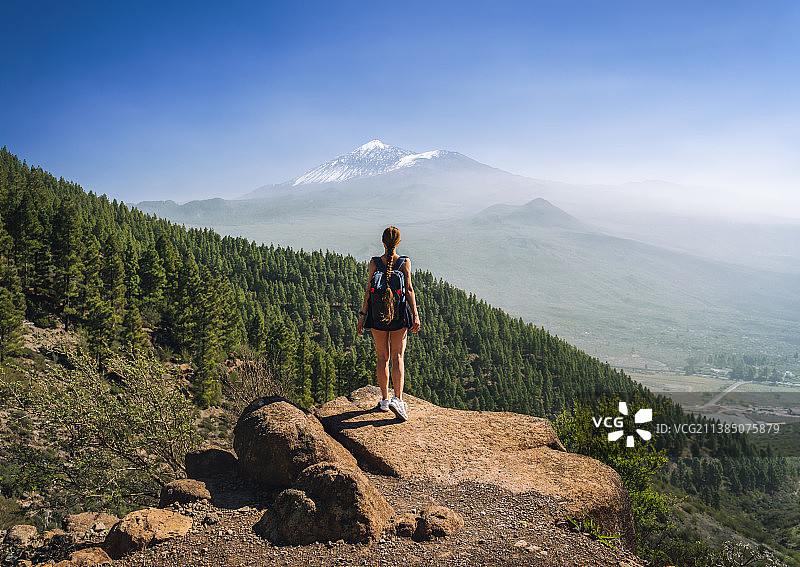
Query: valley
[{"x": 602, "y": 284}]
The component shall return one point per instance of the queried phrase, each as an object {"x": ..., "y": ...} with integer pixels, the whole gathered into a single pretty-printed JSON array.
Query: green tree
[
  {"x": 151, "y": 284},
  {"x": 68, "y": 250},
  {"x": 112, "y": 274},
  {"x": 132, "y": 333},
  {"x": 12, "y": 301}
]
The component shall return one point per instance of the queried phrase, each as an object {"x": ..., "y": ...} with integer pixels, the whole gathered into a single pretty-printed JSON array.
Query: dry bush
[{"x": 253, "y": 376}]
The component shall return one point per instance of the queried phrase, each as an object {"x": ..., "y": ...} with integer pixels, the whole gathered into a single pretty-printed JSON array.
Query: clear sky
[{"x": 157, "y": 100}]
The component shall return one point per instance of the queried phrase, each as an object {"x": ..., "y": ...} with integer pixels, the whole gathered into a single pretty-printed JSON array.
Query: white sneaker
[
  {"x": 383, "y": 405},
  {"x": 399, "y": 408}
]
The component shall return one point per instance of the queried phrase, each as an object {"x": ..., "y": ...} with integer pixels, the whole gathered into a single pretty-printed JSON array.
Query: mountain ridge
[{"x": 370, "y": 160}]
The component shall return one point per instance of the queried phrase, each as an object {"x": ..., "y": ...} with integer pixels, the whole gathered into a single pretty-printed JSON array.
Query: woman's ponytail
[{"x": 391, "y": 238}]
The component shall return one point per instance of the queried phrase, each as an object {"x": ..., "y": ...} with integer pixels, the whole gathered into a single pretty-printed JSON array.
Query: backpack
[{"x": 377, "y": 289}]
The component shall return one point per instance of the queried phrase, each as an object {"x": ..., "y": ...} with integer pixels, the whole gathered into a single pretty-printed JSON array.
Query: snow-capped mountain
[{"x": 373, "y": 158}]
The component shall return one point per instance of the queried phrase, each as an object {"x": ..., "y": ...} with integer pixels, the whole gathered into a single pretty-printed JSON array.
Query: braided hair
[{"x": 391, "y": 238}]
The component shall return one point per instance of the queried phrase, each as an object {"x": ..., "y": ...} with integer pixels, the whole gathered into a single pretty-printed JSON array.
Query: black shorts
[{"x": 402, "y": 320}]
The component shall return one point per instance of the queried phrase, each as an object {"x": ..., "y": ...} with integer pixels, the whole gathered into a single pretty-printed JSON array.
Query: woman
[{"x": 390, "y": 312}]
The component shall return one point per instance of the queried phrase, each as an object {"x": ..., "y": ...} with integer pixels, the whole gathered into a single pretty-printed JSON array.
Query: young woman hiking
[{"x": 390, "y": 310}]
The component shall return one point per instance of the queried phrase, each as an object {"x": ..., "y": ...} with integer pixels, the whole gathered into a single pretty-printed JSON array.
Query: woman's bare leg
[
  {"x": 398, "y": 348},
  {"x": 382, "y": 365}
]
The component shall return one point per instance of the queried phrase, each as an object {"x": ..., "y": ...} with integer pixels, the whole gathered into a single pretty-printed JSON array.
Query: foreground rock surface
[
  {"x": 275, "y": 440},
  {"x": 496, "y": 523},
  {"x": 516, "y": 452},
  {"x": 145, "y": 528},
  {"x": 329, "y": 502}
]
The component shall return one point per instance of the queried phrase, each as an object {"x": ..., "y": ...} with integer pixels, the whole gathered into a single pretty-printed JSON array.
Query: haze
[{"x": 151, "y": 101}]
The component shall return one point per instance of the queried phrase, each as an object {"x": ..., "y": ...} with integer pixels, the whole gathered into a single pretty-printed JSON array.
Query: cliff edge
[{"x": 515, "y": 452}]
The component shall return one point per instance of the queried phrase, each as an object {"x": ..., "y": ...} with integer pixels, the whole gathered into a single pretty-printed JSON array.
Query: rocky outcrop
[
  {"x": 328, "y": 502},
  {"x": 517, "y": 452},
  {"x": 144, "y": 528},
  {"x": 211, "y": 462},
  {"x": 183, "y": 491},
  {"x": 276, "y": 440}
]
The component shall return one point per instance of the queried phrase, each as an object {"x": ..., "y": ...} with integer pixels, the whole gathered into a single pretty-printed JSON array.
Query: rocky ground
[
  {"x": 507, "y": 476},
  {"x": 500, "y": 528}
]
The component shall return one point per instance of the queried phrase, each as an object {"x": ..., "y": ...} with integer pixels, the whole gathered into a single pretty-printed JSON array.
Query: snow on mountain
[{"x": 373, "y": 158}]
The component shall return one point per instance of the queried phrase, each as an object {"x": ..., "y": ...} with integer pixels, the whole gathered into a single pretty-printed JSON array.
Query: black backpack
[{"x": 377, "y": 289}]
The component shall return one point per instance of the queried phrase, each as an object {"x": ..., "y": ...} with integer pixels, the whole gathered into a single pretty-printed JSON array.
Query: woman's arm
[
  {"x": 412, "y": 300},
  {"x": 364, "y": 306}
]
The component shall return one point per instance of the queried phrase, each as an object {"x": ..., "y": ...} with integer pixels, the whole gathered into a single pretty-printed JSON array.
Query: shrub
[{"x": 122, "y": 435}]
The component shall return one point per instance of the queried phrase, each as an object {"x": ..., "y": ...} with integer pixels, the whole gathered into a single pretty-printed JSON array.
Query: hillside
[{"x": 203, "y": 295}]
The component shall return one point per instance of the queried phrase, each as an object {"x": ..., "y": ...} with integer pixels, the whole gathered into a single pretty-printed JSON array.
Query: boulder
[
  {"x": 211, "y": 462},
  {"x": 20, "y": 535},
  {"x": 516, "y": 452},
  {"x": 89, "y": 557},
  {"x": 183, "y": 491},
  {"x": 276, "y": 441},
  {"x": 58, "y": 541},
  {"x": 405, "y": 525},
  {"x": 80, "y": 524},
  {"x": 145, "y": 528},
  {"x": 437, "y": 521},
  {"x": 329, "y": 502},
  {"x": 430, "y": 523}
]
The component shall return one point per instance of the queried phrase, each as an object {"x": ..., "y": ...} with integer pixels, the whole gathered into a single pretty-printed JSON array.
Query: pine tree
[
  {"x": 12, "y": 301},
  {"x": 257, "y": 332},
  {"x": 206, "y": 341},
  {"x": 172, "y": 267},
  {"x": 133, "y": 290},
  {"x": 99, "y": 325},
  {"x": 151, "y": 284},
  {"x": 188, "y": 290},
  {"x": 26, "y": 231},
  {"x": 132, "y": 332},
  {"x": 302, "y": 372},
  {"x": 68, "y": 250},
  {"x": 112, "y": 274}
]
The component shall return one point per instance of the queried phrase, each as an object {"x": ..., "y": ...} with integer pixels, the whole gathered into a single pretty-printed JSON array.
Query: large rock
[
  {"x": 20, "y": 535},
  {"x": 329, "y": 502},
  {"x": 89, "y": 557},
  {"x": 211, "y": 462},
  {"x": 517, "y": 452},
  {"x": 432, "y": 522},
  {"x": 145, "y": 528},
  {"x": 276, "y": 440},
  {"x": 183, "y": 491},
  {"x": 88, "y": 522},
  {"x": 437, "y": 521}
]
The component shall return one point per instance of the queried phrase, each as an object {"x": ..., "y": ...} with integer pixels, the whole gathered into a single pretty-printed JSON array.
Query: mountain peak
[
  {"x": 373, "y": 158},
  {"x": 373, "y": 145}
]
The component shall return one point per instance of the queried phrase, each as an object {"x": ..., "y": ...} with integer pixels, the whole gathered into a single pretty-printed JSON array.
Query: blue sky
[{"x": 156, "y": 100}]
